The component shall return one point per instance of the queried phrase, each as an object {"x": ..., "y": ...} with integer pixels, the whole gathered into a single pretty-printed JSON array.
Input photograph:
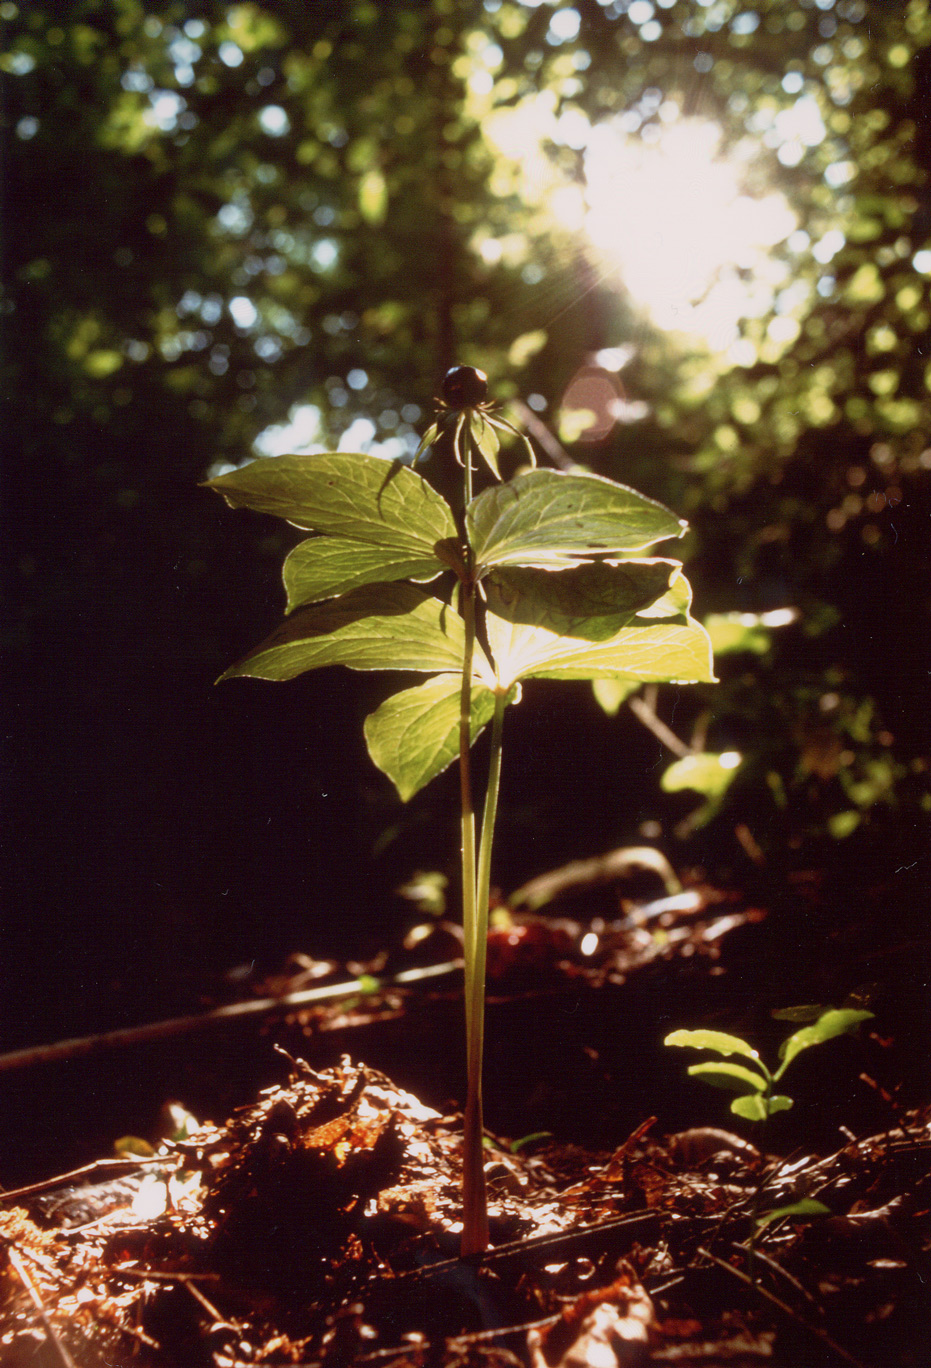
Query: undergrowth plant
[
  {"x": 541, "y": 576},
  {"x": 756, "y": 1084}
]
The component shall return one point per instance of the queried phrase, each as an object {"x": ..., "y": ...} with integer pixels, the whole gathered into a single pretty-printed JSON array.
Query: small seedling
[
  {"x": 754, "y": 1082},
  {"x": 544, "y": 579}
]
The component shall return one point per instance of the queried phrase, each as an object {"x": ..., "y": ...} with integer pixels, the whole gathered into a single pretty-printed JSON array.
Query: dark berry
[{"x": 464, "y": 387}]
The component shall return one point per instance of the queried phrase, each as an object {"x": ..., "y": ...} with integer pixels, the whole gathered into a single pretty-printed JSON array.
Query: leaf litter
[{"x": 320, "y": 1225}]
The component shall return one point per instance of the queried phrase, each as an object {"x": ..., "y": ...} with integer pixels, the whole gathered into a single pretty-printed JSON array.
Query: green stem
[
  {"x": 475, "y": 1207},
  {"x": 760, "y": 1188},
  {"x": 474, "y": 1201}
]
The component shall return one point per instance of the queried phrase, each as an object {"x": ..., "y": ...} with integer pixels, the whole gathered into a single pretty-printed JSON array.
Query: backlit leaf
[
  {"x": 591, "y": 601},
  {"x": 641, "y": 651},
  {"x": 414, "y": 735},
  {"x": 719, "y": 1041},
  {"x": 755, "y": 1107},
  {"x": 732, "y": 632},
  {"x": 377, "y": 627},
  {"x": 751, "y": 1108},
  {"x": 702, "y": 773},
  {"x": 545, "y": 517},
  {"x": 610, "y": 694},
  {"x": 345, "y": 494},
  {"x": 777, "y": 1103},
  {"x": 323, "y": 567},
  {"x": 758, "y": 1108},
  {"x": 806, "y": 1206},
  {"x": 730, "y": 1077},
  {"x": 837, "y": 1021}
]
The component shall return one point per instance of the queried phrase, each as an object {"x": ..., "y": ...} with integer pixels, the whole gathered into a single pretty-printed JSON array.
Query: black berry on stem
[{"x": 464, "y": 387}]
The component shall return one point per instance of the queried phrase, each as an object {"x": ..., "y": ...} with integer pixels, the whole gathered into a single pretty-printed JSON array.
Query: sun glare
[
  {"x": 692, "y": 247},
  {"x": 668, "y": 212}
]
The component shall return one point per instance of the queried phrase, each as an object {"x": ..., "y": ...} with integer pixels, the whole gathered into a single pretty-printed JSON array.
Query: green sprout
[
  {"x": 754, "y": 1082},
  {"x": 755, "y": 1085},
  {"x": 544, "y": 579}
]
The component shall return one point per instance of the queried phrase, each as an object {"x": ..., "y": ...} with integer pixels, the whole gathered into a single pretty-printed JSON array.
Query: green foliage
[
  {"x": 756, "y": 1100},
  {"x": 347, "y": 495},
  {"x": 414, "y": 735},
  {"x": 711, "y": 775},
  {"x": 378, "y": 627},
  {"x": 733, "y": 632},
  {"x": 546, "y": 518},
  {"x": 805, "y": 1206},
  {"x": 377, "y": 523}
]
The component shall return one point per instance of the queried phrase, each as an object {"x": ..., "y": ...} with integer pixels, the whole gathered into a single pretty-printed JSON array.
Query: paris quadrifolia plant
[{"x": 542, "y": 576}]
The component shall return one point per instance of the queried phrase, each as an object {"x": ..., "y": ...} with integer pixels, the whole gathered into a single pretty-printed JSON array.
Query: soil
[{"x": 633, "y": 1219}]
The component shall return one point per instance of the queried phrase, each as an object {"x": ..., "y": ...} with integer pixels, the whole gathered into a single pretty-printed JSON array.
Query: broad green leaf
[
  {"x": 546, "y": 517},
  {"x": 643, "y": 652},
  {"x": 591, "y": 601},
  {"x": 807, "y": 1206},
  {"x": 779, "y": 1102},
  {"x": 837, "y": 1021},
  {"x": 414, "y": 735},
  {"x": 709, "y": 774},
  {"x": 323, "y": 567},
  {"x": 730, "y": 1077},
  {"x": 719, "y": 1041},
  {"x": 377, "y": 627},
  {"x": 610, "y": 694},
  {"x": 345, "y": 494}
]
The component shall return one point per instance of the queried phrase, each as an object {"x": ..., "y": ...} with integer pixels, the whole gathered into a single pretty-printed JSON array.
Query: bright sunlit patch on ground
[{"x": 691, "y": 245}]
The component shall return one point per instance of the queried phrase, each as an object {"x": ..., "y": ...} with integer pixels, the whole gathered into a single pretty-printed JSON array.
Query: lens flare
[{"x": 692, "y": 247}]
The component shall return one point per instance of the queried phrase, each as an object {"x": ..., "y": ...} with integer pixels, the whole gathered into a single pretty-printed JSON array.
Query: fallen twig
[
  {"x": 645, "y": 714},
  {"x": 601, "y": 869},
  {"x": 97, "y": 1170},
  {"x": 220, "y": 1016}
]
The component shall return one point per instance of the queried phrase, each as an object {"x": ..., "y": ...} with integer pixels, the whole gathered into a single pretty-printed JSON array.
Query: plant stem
[
  {"x": 475, "y": 1218},
  {"x": 474, "y": 1202},
  {"x": 475, "y": 1214}
]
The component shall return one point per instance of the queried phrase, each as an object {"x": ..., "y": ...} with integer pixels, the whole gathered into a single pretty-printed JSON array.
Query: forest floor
[{"x": 630, "y": 1224}]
